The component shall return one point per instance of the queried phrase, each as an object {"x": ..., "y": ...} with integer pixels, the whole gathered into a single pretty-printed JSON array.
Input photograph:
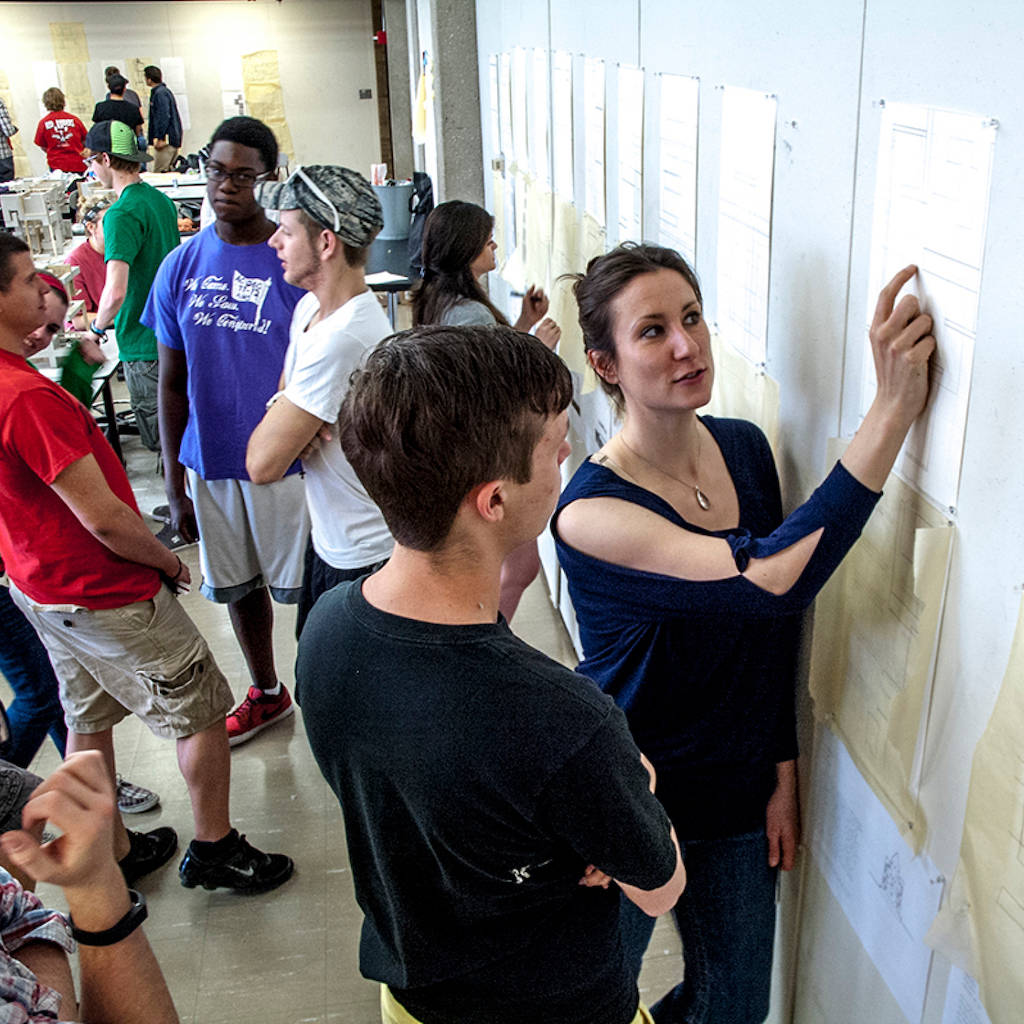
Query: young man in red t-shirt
[
  {"x": 60, "y": 135},
  {"x": 98, "y": 588}
]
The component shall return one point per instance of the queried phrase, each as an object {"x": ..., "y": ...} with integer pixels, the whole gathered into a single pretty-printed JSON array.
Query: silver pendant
[{"x": 702, "y": 498}]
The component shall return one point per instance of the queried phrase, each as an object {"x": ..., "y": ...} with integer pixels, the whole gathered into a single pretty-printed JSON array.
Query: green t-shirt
[{"x": 141, "y": 228}]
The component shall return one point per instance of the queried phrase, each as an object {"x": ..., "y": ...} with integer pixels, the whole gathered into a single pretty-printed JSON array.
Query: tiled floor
[{"x": 289, "y": 956}]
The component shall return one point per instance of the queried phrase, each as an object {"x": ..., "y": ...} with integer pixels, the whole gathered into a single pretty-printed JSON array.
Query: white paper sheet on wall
[
  {"x": 231, "y": 74},
  {"x": 184, "y": 111},
  {"x": 677, "y": 165},
  {"x": 594, "y": 138},
  {"x": 561, "y": 129},
  {"x": 888, "y": 895},
  {"x": 494, "y": 103},
  {"x": 44, "y": 76},
  {"x": 540, "y": 151},
  {"x": 173, "y": 69},
  {"x": 631, "y": 154},
  {"x": 505, "y": 104},
  {"x": 520, "y": 141},
  {"x": 963, "y": 1001},
  {"x": 931, "y": 208},
  {"x": 744, "y": 219}
]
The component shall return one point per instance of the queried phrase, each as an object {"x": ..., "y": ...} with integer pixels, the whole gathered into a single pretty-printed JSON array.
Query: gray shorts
[
  {"x": 250, "y": 536},
  {"x": 16, "y": 786},
  {"x": 145, "y": 658}
]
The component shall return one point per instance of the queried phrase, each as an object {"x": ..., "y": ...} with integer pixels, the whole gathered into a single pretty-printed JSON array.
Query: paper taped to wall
[
  {"x": 889, "y": 896},
  {"x": 746, "y": 170},
  {"x": 981, "y": 927},
  {"x": 876, "y": 627},
  {"x": 931, "y": 209}
]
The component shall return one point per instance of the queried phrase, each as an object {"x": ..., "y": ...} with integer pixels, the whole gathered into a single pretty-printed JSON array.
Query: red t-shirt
[
  {"x": 91, "y": 276},
  {"x": 48, "y": 553},
  {"x": 62, "y": 135}
]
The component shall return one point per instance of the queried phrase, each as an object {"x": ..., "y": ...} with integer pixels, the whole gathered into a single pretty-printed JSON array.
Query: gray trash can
[{"x": 394, "y": 201}]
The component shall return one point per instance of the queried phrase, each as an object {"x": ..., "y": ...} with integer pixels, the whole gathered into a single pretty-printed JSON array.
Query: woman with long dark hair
[
  {"x": 689, "y": 587},
  {"x": 458, "y": 249}
]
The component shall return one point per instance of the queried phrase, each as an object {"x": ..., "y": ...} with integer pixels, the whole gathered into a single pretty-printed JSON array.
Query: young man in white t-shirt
[{"x": 329, "y": 217}]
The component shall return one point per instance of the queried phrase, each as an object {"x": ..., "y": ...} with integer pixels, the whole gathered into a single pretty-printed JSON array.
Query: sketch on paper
[
  {"x": 631, "y": 154},
  {"x": 561, "y": 117},
  {"x": 889, "y": 896},
  {"x": 931, "y": 209},
  {"x": 744, "y": 219},
  {"x": 593, "y": 139},
  {"x": 677, "y": 164},
  {"x": 872, "y": 655}
]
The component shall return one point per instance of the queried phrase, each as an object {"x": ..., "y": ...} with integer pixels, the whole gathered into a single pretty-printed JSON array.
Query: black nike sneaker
[
  {"x": 244, "y": 869},
  {"x": 147, "y": 852}
]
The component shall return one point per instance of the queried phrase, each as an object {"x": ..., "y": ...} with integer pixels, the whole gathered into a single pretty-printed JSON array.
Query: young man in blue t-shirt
[{"x": 221, "y": 310}]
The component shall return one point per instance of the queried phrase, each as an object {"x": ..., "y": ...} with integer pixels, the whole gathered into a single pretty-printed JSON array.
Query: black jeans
[{"x": 318, "y": 577}]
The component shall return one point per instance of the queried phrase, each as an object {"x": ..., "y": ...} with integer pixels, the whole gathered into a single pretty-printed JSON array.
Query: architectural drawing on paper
[
  {"x": 876, "y": 627},
  {"x": 981, "y": 925},
  {"x": 931, "y": 209},
  {"x": 746, "y": 172}
]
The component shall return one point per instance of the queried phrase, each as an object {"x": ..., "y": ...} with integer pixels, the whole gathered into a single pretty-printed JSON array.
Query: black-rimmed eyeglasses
[{"x": 243, "y": 179}]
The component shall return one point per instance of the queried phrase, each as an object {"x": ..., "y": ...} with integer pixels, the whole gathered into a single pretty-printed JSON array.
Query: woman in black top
[{"x": 688, "y": 584}]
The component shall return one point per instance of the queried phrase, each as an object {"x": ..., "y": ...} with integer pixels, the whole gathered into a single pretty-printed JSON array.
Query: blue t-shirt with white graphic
[{"x": 229, "y": 309}]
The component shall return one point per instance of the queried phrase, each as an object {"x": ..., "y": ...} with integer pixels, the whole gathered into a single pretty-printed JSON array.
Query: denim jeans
[
  {"x": 726, "y": 920},
  {"x": 35, "y": 710}
]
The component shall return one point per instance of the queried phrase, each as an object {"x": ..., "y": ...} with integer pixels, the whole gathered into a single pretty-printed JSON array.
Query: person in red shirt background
[
  {"x": 88, "y": 257},
  {"x": 61, "y": 135}
]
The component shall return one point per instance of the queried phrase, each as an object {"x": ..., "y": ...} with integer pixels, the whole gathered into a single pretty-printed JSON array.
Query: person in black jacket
[{"x": 164, "y": 120}]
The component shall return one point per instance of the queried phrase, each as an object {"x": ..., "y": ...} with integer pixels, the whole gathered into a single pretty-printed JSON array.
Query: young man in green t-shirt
[{"x": 139, "y": 230}]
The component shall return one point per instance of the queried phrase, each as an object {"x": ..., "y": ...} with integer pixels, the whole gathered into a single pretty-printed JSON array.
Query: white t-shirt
[{"x": 348, "y": 529}]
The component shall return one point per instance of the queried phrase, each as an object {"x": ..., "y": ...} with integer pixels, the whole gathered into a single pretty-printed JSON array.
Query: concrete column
[
  {"x": 460, "y": 173},
  {"x": 396, "y": 22}
]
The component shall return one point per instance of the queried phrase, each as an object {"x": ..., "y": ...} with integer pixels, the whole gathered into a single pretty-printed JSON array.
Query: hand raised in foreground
[{"x": 78, "y": 799}]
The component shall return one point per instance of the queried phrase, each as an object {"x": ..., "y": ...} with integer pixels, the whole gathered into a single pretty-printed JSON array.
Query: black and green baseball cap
[{"x": 117, "y": 139}]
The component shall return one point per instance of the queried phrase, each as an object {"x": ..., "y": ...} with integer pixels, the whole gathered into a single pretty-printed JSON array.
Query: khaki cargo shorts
[{"x": 145, "y": 658}]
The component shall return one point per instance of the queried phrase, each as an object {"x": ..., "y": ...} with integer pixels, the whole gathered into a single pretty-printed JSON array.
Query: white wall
[{"x": 324, "y": 48}]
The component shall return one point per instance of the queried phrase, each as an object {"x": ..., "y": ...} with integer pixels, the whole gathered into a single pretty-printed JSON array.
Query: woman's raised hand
[
  {"x": 535, "y": 305},
  {"x": 901, "y": 343}
]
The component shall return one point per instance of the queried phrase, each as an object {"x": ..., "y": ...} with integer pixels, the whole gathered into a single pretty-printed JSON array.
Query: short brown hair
[
  {"x": 436, "y": 411},
  {"x": 125, "y": 166},
  {"x": 605, "y": 278},
  {"x": 53, "y": 99}
]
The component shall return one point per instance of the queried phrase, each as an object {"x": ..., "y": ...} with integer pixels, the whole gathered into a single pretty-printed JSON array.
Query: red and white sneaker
[{"x": 256, "y": 713}]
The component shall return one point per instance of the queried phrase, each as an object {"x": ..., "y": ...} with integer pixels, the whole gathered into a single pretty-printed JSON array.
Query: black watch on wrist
[
  {"x": 135, "y": 916},
  {"x": 100, "y": 332}
]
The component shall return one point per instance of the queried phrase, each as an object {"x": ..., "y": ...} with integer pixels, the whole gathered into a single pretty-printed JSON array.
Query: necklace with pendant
[{"x": 699, "y": 496}]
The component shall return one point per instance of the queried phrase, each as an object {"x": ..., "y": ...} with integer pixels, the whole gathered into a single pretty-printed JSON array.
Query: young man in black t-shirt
[
  {"x": 491, "y": 796},
  {"x": 117, "y": 108}
]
